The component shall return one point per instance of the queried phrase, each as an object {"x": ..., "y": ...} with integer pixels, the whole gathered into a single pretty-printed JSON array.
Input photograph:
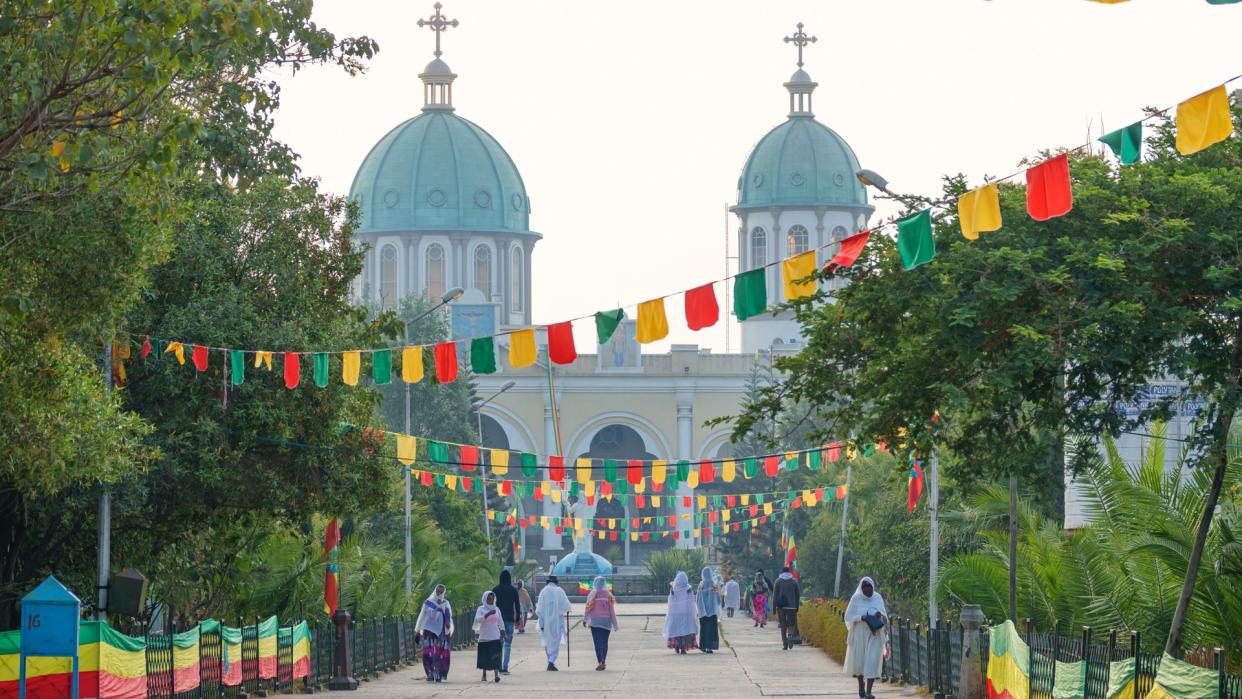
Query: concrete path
[{"x": 750, "y": 663}]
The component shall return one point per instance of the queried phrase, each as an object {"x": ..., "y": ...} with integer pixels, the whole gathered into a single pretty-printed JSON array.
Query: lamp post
[
  {"x": 450, "y": 295},
  {"x": 478, "y": 411}
]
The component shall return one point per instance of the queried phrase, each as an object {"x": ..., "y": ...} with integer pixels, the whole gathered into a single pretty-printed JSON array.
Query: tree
[{"x": 1042, "y": 331}]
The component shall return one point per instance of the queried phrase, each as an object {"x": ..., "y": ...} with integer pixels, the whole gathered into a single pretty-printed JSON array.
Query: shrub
[
  {"x": 662, "y": 566},
  {"x": 820, "y": 624}
]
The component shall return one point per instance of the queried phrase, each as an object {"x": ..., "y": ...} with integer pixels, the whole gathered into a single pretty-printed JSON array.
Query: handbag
[{"x": 874, "y": 621}]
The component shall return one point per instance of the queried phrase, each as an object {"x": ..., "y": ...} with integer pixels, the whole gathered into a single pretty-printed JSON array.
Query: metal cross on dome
[
  {"x": 438, "y": 24},
  {"x": 799, "y": 39}
]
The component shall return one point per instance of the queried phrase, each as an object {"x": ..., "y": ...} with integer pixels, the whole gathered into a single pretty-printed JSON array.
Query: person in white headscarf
[
  {"x": 681, "y": 622},
  {"x": 490, "y": 626},
  {"x": 732, "y": 597},
  {"x": 708, "y": 601},
  {"x": 864, "y": 646},
  {"x": 435, "y": 629},
  {"x": 551, "y": 609},
  {"x": 600, "y": 615}
]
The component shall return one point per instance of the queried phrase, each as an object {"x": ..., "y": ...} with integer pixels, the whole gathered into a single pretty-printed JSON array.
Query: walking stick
[{"x": 567, "y": 660}]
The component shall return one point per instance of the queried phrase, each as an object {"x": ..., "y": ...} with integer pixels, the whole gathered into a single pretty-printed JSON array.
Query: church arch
[
  {"x": 388, "y": 276},
  {"x": 482, "y": 272},
  {"x": 717, "y": 445},
  {"x": 798, "y": 240},
  {"x": 516, "y": 283},
  {"x": 436, "y": 272},
  {"x": 654, "y": 442},
  {"x": 517, "y": 434},
  {"x": 758, "y": 247}
]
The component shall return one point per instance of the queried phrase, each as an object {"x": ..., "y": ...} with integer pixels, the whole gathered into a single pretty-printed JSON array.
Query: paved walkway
[{"x": 750, "y": 663}]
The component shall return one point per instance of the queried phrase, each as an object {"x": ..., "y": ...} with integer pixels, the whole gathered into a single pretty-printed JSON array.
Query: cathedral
[{"x": 444, "y": 206}]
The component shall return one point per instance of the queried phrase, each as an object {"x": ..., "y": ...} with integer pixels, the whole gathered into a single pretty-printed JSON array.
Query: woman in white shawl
[
  {"x": 708, "y": 601},
  {"x": 435, "y": 629},
  {"x": 490, "y": 628},
  {"x": 681, "y": 623},
  {"x": 864, "y": 648},
  {"x": 732, "y": 597}
]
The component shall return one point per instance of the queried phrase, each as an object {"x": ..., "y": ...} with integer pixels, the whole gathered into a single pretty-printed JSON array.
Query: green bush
[
  {"x": 662, "y": 567},
  {"x": 820, "y": 624}
]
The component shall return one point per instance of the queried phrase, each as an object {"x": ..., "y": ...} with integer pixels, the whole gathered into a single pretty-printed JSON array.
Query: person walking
[
  {"x": 759, "y": 591},
  {"x": 866, "y": 617},
  {"x": 551, "y": 609},
  {"x": 526, "y": 605},
  {"x": 681, "y": 619},
  {"x": 489, "y": 625},
  {"x": 435, "y": 629},
  {"x": 708, "y": 600},
  {"x": 732, "y": 597},
  {"x": 786, "y": 597},
  {"x": 510, "y": 608},
  {"x": 600, "y": 615}
]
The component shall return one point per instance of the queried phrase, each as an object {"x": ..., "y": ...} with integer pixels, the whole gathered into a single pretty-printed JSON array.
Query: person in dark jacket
[
  {"x": 786, "y": 597},
  {"x": 510, "y": 608}
]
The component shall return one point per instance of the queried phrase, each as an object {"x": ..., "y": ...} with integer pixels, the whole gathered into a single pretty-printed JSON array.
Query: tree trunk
[
  {"x": 1013, "y": 547},
  {"x": 1218, "y": 455}
]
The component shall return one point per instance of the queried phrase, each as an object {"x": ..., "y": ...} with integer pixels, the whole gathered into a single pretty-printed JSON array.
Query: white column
[
  {"x": 685, "y": 447},
  {"x": 551, "y": 540}
]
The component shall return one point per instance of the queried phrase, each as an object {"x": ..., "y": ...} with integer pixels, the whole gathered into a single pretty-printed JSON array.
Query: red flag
[
  {"x": 916, "y": 485},
  {"x": 1048, "y": 190},
  {"x": 640, "y": 501},
  {"x": 556, "y": 468},
  {"x": 754, "y": 510},
  {"x": 605, "y": 489},
  {"x": 293, "y": 369},
  {"x": 634, "y": 523},
  {"x": 676, "y": 534},
  {"x": 731, "y": 500},
  {"x": 819, "y": 495},
  {"x": 467, "y": 484},
  {"x": 469, "y": 457},
  {"x": 646, "y": 536},
  {"x": 561, "y": 343},
  {"x": 770, "y": 465},
  {"x": 634, "y": 471},
  {"x": 538, "y": 493},
  {"x": 672, "y": 520},
  {"x": 446, "y": 362},
  {"x": 685, "y": 502},
  {"x": 198, "y": 355},
  {"x": 146, "y": 347},
  {"x": 834, "y": 452},
  {"x": 851, "y": 248},
  {"x": 506, "y": 488},
  {"x": 426, "y": 479},
  {"x": 711, "y": 516},
  {"x": 702, "y": 311},
  {"x": 612, "y": 536},
  {"x": 707, "y": 472}
]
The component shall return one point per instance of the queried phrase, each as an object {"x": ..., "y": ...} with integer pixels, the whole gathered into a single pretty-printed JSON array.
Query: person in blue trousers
[{"x": 510, "y": 608}]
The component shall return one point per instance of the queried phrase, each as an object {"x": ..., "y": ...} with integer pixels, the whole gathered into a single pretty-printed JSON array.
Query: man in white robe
[
  {"x": 732, "y": 597},
  {"x": 551, "y": 608},
  {"x": 864, "y": 646}
]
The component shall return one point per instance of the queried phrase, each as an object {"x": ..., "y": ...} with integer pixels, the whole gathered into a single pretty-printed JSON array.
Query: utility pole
[
  {"x": 933, "y": 503},
  {"x": 409, "y": 546},
  {"x": 487, "y": 522},
  {"x": 845, "y": 508},
  {"x": 105, "y": 513}
]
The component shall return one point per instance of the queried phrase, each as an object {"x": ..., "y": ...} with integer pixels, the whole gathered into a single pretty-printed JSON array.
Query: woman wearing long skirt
[
  {"x": 435, "y": 629},
  {"x": 708, "y": 601},
  {"x": 759, "y": 592},
  {"x": 864, "y": 645},
  {"x": 600, "y": 616},
  {"x": 681, "y": 621},
  {"x": 490, "y": 627},
  {"x": 526, "y": 604}
]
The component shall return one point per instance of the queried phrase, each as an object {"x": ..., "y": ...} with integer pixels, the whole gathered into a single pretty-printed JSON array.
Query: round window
[
  {"x": 838, "y": 179},
  {"x": 797, "y": 179},
  {"x": 437, "y": 197},
  {"x": 483, "y": 199},
  {"x": 757, "y": 179},
  {"x": 517, "y": 201},
  {"x": 391, "y": 197}
]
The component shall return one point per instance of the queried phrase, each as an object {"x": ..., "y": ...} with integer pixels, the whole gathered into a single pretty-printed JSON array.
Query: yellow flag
[
  {"x": 263, "y": 359},
  {"x": 745, "y": 499},
  {"x": 543, "y": 522},
  {"x": 978, "y": 211},
  {"x": 646, "y": 520},
  {"x": 179, "y": 350},
  {"x": 556, "y": 495},
  {"x": 412, "y": 364},
  {"x": 655, "y": 500},
  {"x": 1203, "y": 120},
  {"x": 612, "y": 523},
  {"x": 658, "y": 471},
  {"x": 695, "y": 532},
  {"x": 584, "y": 470},
  {"x": 728, "y": 471},
  {"x": 702, "y": 502},
  {"x": 491, "y": 514},
  {"x": 795, "y": 268},
  {"x": 641, "y": 486},
  {"x": 633, "y": 536},
  {"x": 600, "y": 533},
  {"x": 726, "y": 514},
  {"x": 851, "y": 452},
  {"x": 500, "y": 462},
  {"x": 545, "y": 487},
  {"x": 522, "y": 350},
  {"x": 652, "y": 323},
  {"x": 807, "y": 496},
  {"x": 349, "y": 370},
  {"x": 767, "y": 508},
  {"x": 692, "y": 479},
  {"x": 590, "y": 489},
  {"x": 407, "y": 446},
  {"x": 450, "y": 482}
]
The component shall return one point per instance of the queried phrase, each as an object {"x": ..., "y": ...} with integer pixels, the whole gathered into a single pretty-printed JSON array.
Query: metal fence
[{"x": 931, "y": 658}]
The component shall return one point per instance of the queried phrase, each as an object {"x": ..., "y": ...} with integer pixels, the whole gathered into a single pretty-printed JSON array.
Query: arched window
[
  {"x": 515, "y": 281},
  {"x": 483, "y": 270},
  {"x": 388, "y": 276},
  {"x": 435, "y": 271},
  {"x": 799, "y": 240},
  {"x": 839, "y": 233},
  {"x": 758, "y": 247}
]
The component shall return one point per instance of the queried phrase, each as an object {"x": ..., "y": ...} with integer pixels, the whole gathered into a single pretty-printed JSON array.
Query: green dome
[
  {"x": 438, "y": 172},
  {"x": 800, "y": 163}
]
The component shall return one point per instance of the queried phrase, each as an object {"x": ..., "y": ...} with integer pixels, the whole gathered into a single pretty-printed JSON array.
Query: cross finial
[
  {"x": 438, "y": 24},
  {"x": 799, "y": 39}
]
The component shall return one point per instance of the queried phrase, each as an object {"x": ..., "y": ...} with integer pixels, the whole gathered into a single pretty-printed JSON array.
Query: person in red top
[{"x": 601, "y": 616}]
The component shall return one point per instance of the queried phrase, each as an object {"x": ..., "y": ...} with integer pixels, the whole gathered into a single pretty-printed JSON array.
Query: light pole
[
  {"x": 478, "y": 411},
  {"x": 450, "y": 295}
]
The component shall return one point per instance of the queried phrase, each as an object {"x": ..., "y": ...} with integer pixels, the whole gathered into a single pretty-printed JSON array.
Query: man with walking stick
[{"x": 553, "y": 610}]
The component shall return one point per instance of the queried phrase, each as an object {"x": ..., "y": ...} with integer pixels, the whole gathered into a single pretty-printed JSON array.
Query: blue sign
[{"x": 49, "y": 628}]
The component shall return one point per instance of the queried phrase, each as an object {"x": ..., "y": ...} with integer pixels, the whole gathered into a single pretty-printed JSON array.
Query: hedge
[{"x": 820, "y": 624}]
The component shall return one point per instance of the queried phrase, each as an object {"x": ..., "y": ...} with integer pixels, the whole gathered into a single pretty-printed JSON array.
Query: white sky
[{"x": 630, "y": 121}]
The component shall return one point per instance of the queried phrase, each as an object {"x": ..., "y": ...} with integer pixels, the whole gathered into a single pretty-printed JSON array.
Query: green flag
[
  {"x": 606, "y": 323},
  {"x": 750, "y": 293},
  {"x": 815, "y": 460},
  {"x": 237, "y": 366},
  {"x": 750, "y": 467},
  {"x": 1127, "y": 143},
  {"x": 791, "y": 461},
  {"x": 381, "y": 366},
  {"x": 915, "y": 241},
  {"x": 623, "y": 487},
  {"x": 437, "y": 451},
  {"x": 320, "y": 360},
  {"x": 683, "y": 471},
  {"x": 610, "y": 470},
  {"x": 483, "y": 355},
  {"x": 530, "y": 468}
]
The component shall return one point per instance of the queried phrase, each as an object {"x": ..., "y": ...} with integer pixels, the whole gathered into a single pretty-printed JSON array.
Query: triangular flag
[
  {"x": 561, "y": 348},
  {"x": 1203, "y": 120},
  {"x": 606, "y": 323},
  {"x": 349, "y": 367},
  {"x": 702, "y": 311},
  {"x": 750, "y": 293},
  {"x": 412, "y": 364},
  {"x": 915, "y": 240},
  {"x": 794, "y": 270},
  {"x": 978, "y": 211},
  {"x": 652, "y": 323},
  {"x": 446, "y": 362},
  {"x": 851, "y": 248},
  {"x": 522, "y": 351},
  {"x": 1048, "y": 190},
  {"x": 293, "y": 369}
]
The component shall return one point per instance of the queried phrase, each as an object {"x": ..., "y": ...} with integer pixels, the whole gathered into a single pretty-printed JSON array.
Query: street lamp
[
  {"x": 478, "y": 411},
  {"x": 871, "y": 178},
  {"x": 448, "y": 296}
]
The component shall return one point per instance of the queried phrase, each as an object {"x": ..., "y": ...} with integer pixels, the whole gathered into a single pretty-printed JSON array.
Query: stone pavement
[{"x": 750, "y": 663}]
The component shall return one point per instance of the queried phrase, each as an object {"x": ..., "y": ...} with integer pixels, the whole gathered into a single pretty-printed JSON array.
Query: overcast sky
[{"x": 630, "y": 121}]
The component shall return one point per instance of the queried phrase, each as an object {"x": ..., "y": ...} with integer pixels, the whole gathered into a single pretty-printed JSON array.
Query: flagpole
[
  {"x": 933, "y": 503},
  {"x": 845, "y": 507}
]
